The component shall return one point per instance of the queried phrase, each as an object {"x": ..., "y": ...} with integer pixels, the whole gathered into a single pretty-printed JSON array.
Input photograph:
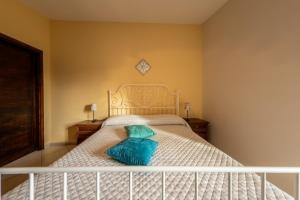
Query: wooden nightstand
[
  {"x": 86, "y": 128},
  {"x": 199, "y": 126}
]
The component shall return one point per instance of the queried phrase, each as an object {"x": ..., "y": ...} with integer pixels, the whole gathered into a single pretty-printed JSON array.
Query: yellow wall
[
  {"x": 21, "y": 23},
  {"x": 89, "y": 58}
]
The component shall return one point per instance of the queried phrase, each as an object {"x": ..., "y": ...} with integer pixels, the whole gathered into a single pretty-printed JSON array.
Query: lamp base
[{"x": 94, "y": 120}]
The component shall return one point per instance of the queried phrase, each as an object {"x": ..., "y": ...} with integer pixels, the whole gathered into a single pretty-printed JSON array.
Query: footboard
[{"x": 31, "y": 171}]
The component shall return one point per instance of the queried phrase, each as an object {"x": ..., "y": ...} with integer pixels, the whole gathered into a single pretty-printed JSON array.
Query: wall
[
  {"x": 21, "y": 23},
  {"x": 89, "y": 58},
  {"x": 251, "y": 78}
]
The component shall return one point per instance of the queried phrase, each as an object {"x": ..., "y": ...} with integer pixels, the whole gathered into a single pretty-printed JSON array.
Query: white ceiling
[{"x": 147, "y": 11}]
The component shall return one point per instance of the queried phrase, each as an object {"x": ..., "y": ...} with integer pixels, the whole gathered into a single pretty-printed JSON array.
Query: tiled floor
[{"x": 35, "y": 159}]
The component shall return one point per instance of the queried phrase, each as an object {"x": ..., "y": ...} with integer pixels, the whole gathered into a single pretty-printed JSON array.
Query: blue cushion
[
  {"x": 133, "y": 151},
  {"x": 139, "y": 131}
]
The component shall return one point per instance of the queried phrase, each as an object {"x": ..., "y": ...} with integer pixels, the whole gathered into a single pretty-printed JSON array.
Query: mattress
[{"x": 178, "y": 146}]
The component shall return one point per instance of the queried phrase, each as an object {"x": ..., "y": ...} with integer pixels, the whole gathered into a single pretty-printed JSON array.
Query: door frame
[{"x": 39, "y": 91}]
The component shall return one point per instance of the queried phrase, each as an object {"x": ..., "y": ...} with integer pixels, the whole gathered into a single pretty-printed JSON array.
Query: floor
[{"x": 35, "y": 159}]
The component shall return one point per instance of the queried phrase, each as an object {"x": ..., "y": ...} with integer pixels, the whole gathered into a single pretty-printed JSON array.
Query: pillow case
[
  {"x": 139, "y": 131},
  {"x": 133, "y": 151},
  {"x": 144, "y": 119}
]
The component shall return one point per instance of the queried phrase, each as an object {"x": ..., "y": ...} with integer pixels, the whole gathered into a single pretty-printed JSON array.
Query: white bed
[{"x": 178, "y": 146}]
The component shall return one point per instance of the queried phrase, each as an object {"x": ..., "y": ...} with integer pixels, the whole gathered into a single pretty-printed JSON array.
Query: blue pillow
[
  {"x": 133, "y": 151},
  {"x": 139, "y": 131}
]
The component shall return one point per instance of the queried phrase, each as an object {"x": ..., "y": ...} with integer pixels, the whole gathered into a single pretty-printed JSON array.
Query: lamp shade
[{"x": 93, "y": 107}]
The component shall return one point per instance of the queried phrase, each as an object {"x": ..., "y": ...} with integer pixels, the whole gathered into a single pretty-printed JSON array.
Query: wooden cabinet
[
  {"x": 86, "y": 128},
  {"x": 199, "y": 126},
  {"x": 21, "y": 99}
]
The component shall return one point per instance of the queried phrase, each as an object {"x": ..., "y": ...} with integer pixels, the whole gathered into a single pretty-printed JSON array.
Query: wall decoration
[{"x": 143, "y": 67}]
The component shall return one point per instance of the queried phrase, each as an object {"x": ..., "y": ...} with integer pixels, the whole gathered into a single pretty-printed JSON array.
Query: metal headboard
[{"x": 142, "y": 99}]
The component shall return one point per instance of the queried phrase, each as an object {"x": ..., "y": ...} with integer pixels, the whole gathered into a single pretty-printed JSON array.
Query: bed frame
[
  {"x": 148, "y": 99},
  {"x": 143, "y": 99}
]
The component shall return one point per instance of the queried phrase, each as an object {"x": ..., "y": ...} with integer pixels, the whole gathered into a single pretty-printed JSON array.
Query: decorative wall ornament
[{"x": 143, "y": 67}]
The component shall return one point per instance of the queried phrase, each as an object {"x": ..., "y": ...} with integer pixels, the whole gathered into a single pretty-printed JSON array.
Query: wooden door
[{"x": 21, "y": 99}]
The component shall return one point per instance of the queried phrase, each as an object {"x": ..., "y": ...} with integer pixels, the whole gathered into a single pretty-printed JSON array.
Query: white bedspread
[{"x": 178, "y": 146}]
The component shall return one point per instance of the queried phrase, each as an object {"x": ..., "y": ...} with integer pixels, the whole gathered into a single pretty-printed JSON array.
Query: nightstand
[
  {"x": 86, "y": 128},
  {"x": 199, "y": 126}
]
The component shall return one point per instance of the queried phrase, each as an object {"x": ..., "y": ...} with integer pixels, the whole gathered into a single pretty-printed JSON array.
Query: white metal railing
[{"x": 131, "y": 169}]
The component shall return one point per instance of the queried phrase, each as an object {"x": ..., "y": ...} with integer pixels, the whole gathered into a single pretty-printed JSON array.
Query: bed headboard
[{"x": 142, "y": 99}]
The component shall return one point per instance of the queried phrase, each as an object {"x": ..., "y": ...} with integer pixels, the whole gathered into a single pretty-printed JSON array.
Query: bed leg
[
  {"x": 229, "y": 186},
  {"x": 196, "y": 185},
  {"x": 130, "y": 185},
  {"x": 98, "y": 186},
  {"x": 298, "y": 187},
  {"x": 31, "y": 186},
  {"x": 163, "y": 185},
  {"x": 263, "y": 186},
  {"x": 65, "y": 186}
]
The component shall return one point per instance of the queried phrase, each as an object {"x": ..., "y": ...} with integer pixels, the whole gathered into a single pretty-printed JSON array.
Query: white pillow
[{"x": 144, "y": 119}]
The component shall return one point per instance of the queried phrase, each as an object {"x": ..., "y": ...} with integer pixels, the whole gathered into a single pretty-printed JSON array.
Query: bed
[{"x": 178, "y": 146}]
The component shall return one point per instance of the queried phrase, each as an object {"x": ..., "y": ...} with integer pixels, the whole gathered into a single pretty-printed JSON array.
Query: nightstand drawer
[
  {"x": 199, "y": 129},
  {"x": 83, "y": 137},
  {"x": 88, "y": 128},
  {"x": 199, "y": 126},
  {"x": 204, "y": 136},
  {"x": 85, "y": 132}
]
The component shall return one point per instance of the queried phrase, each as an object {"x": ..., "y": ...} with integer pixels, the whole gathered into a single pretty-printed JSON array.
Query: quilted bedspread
[{"x": 178, "y": 146}]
